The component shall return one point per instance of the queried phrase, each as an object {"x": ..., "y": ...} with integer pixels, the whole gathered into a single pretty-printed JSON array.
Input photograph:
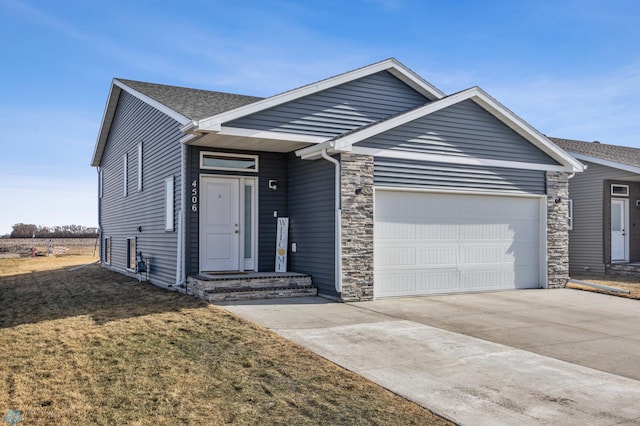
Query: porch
[{"x": 233, "y": 286}]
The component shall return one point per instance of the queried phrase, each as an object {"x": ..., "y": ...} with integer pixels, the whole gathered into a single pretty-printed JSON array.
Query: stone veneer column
[
  {"x": 557, "y": 229},
  {"x": 357, "y": 226}
]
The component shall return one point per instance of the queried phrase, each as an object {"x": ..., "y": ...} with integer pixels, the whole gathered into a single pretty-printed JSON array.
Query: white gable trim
[
  {"x": 480, "y": 97},
  {"x": 466, "y": 161},
  {"x": 157, "y": 105},
  {"x": 213, "y": 124},
  {"x": 607, "y": 163}
]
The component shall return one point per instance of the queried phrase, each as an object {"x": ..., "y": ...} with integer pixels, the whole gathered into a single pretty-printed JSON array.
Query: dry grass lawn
[
  {"x": 623, "y": 283},
  {"x": 95, "y": 347}
]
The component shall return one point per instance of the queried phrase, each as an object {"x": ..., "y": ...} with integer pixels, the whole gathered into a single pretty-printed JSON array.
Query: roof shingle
[
  {"x": 192, "y": 103},
  {"x": 619, "y": 154}
]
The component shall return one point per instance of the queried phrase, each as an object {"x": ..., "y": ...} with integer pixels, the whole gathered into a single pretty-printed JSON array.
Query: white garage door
[{"x": 444, "y": 243}]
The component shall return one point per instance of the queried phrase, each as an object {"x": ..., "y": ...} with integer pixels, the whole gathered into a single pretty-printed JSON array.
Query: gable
[
  {"x": 337, "y": 110},
  {"x": 464, "y": 129}
]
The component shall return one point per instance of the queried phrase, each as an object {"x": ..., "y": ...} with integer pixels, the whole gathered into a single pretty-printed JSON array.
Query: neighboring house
[
  {"x": 391, "y": 187},
  {"x": 605, "y": 224}
]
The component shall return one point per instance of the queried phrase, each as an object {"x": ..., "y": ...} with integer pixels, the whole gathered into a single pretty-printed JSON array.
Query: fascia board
[
  {"x": 157, "y": 105},
  {"x": 105, "y": 124},
  {"x": 213, "y": 123},
  {"x": 607, "y": 163},
  {"x": 263, "y": 134}
]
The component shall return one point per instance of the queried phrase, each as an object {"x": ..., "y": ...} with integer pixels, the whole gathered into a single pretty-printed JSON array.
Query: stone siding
[
  {"x": 357, "y": 226},
  {"x": 557, "y": 229}
]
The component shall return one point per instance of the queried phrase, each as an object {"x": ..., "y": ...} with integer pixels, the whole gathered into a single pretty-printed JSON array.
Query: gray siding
[
  {"x": 586, "y": 240},
  {"x": 312, "y": 219},
  {"x": 135, "y": 121},
  {"x": 391, "y": 172},
  {"x": 461, "y": 130},
  {"x": 270, "y": 166},
  {"x": 339, "y": 109}
]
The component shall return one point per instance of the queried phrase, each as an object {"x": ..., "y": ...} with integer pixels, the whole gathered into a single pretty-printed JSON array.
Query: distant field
[{"x": 15, "y": 254}]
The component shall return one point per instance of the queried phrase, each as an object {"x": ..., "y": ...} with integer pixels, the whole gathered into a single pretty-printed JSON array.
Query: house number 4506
[{"x": 194, "y": 196}]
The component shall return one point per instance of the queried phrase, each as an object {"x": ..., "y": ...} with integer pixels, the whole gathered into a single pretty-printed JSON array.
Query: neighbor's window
[
  {"x": 168, "y": 204},
  {"x": 107, "y": 251},
  {"x": 131, "y": 253},
  {"x": 570, "y": 214},
  {"x": 620, "y": 190},
  {"x": 224, "y": 161},
  {"x": 125, "y": 174},
  {"x": 140, "y": 166}
]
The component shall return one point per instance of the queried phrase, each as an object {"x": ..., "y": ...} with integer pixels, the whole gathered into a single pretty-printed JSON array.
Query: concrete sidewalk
[{"x": 488, "y": 375}]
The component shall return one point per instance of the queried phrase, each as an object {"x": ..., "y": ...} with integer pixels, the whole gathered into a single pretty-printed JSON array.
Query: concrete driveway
[{"x": 517, "y": 357}]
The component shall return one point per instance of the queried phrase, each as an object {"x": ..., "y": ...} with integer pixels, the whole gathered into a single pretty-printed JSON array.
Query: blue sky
[{"x": 569, "y": 68}]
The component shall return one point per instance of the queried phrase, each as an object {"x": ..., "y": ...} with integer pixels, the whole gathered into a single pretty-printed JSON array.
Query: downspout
[
  {"x": 338, "y": 222},
  {"x": 180, "y": 269}
]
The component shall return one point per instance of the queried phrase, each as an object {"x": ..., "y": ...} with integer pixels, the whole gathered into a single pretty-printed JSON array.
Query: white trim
[
  {"x": 608, "y": 163},
  {"x": 543, "y": 256},
  {"x": 125, "y": 175},
  {"x": 228, "y": 155},
  {"x": 157, "y": 105},
  {"x": 470, "y": 161},
  {"x": 263, "y": 134},
  {"x": 139, "y": 166},
  {"x": 476, "y": 94},
  {"x": 169, "y": 202},
  {"x": 396, "y": 68},
  {"x": 105, "y": 124},
  {"x": 619, "y": 185}
]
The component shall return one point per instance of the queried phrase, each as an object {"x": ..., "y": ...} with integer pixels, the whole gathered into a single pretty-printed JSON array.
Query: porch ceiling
[{"x": 244, "y": 143}]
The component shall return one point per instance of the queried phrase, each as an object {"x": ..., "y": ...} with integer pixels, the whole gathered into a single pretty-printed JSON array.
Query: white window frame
[
  {"x": 125, "y": 175},
  {"x": 617, "y": 185},
  {"x": 570, "y": 214},
  {"x": 100, "y": 182},
  {"x": 107, "y": 251},
  {"x": 168, "y": 204},
  {"x": 131, "y": 262},
  {"x": 140, "y": 167},
  {"x": 203, "y": 154}
]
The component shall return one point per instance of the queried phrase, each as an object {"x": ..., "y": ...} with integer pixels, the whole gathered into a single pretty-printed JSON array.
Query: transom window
[
  {"x": 620, "y": 190},
  {"x": 225, "y": 161}
]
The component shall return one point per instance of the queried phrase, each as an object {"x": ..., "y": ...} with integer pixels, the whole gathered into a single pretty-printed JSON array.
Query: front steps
[{"x": 249, "y": 286}]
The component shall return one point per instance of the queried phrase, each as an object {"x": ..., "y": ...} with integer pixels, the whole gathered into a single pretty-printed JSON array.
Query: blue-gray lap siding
[
  {"x": 120, "y": 216},
  {"x": 270, "y": 166},
  {"x": 312, "y": 221},
  {"x": 339, "y": 109},
  {"x": 461, "y": 130}
]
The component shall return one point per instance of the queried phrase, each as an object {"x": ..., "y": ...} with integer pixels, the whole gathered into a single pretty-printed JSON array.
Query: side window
[
  {"x": 125, "y": 175},
  {"x": 570, "y": 214},
  {"x": 168, "y": 204},
  {"x": 140, "y": 166},
  {"x": 107, "y": 251},
  {"x": 131, "y": 253}
]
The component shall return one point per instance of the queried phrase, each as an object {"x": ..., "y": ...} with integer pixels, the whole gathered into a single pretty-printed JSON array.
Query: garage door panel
[{"x": 462, "y": 242}]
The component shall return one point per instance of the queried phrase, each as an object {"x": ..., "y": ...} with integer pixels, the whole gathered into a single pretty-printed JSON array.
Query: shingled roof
[
  {"x": 616, "y": 153},
  {"x": 194, "y": 104}
]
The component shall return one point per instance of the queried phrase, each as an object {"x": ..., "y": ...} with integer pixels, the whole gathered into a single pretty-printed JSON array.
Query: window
[
  {"x": 224, "y": 161},
  {"x": 131, "y": 253},
  {"x": 106, "y": 256},
  {"x": 570, "y": 214},
  {"x": 620, "y": 190},
  {"x": 100, "y": 183},
  {"x": 125, "y": 175},
  {"x": 168, "y": 204},
  {"x": 140, "y": 166}
]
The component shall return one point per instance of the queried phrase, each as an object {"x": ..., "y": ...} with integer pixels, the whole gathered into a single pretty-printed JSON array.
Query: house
[
  {"x": 390, "y": 188},
  {"x": 604, "y": 236}
]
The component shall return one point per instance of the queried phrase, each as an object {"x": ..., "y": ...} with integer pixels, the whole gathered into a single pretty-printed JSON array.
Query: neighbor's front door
[
  {"x": 619, "y": 231},
  {"x": 219, "y": 224}
]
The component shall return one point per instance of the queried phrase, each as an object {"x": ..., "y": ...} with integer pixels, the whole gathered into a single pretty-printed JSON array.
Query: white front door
[
  {"x": 219, "y": 224},
  {"x": 619, "y": 241}
]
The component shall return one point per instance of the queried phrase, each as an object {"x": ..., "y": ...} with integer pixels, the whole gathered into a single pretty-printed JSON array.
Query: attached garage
[{"x": 429, "y": 243}]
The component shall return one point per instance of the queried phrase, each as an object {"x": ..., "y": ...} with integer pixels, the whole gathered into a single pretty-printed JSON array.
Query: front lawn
[{"x": 95, "y": 347}]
